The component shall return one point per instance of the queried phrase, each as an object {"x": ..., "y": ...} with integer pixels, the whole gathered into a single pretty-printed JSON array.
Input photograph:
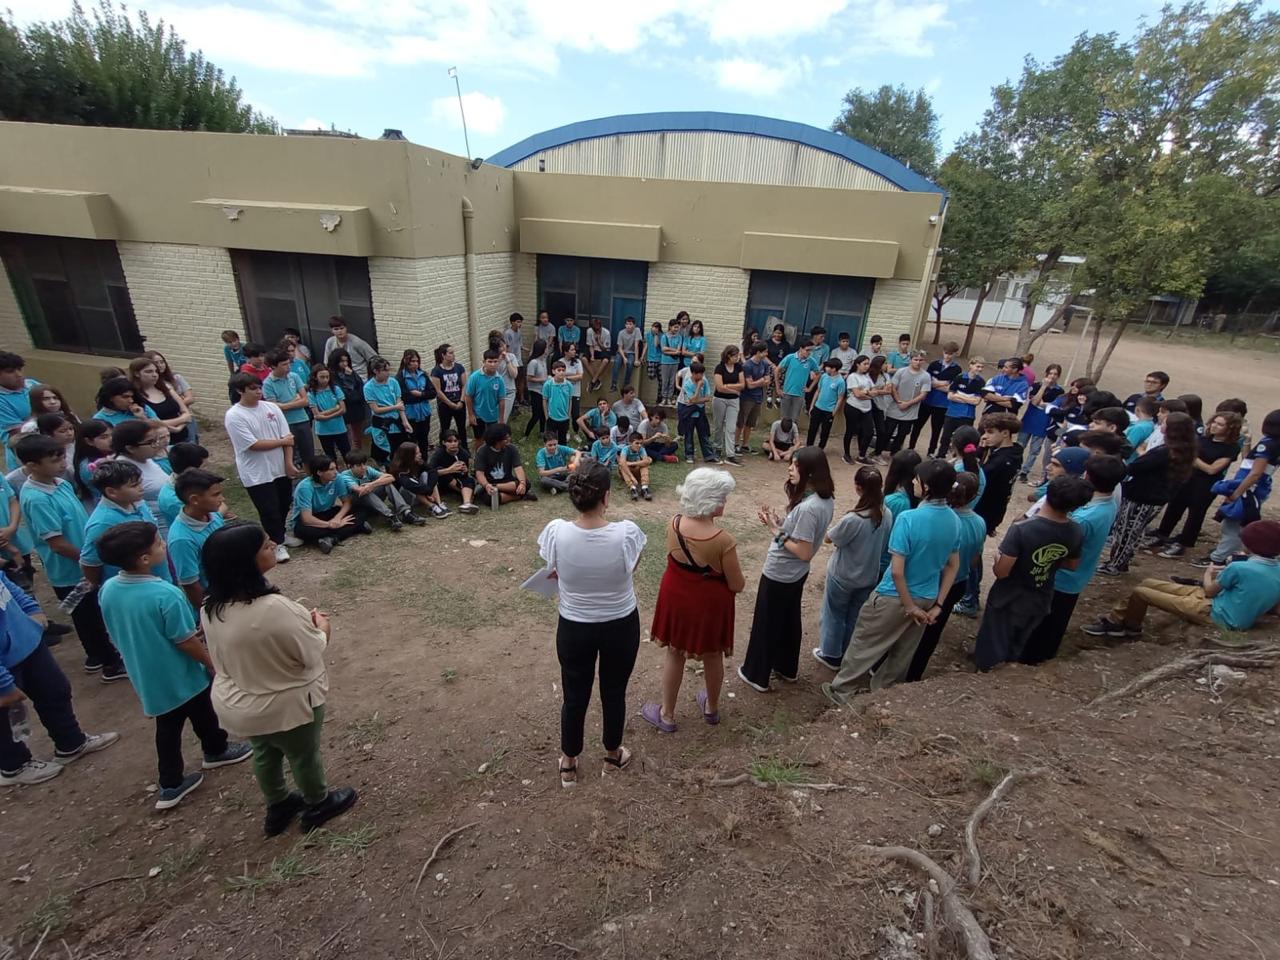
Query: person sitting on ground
[
  {"x": 694, "y": 614},
  {"x": 1232, "y": 597},
  {"x": 377, "y": 492},
  {"x": 499, "y": 473},
  {"x": 783, "y": 440},
  {"x": 553, "y": 464},
  {"x": 633, "y": 467},
  {"x": 605, "y": 451},
  {"x": 657, "y": 441},
  {"x": 324, "y": 510},
  {"x": 270, "y": 684},
  {"x": 596, "y": 422},
  {"x": 155, "y": 631},
  {"x": 451, "y": 465},
  {"x": 417, "y": 481},
  {"x": 201, "y": 494}
]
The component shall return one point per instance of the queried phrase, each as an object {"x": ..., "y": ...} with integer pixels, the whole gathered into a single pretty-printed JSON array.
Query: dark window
[
  {"x": 584, "y": 288},
  {"x": 803, "y": 301},
  {"x": 72, "y": 293},
  {"x": 303, "y": 290}
]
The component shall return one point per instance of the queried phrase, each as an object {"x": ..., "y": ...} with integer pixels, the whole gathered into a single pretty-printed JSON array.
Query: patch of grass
[
  {"x": 492, "y": 765},
  {"x": 779, "y": 770},
  {"x": 178, "y": 863},
  {"x": 779, "y": 727},
  {"x": 986, "y": 772},
  {"x": 353, "y": 841},
  {"x": 366, "y": 730},
  {"x": 233, "y": 492},
  {"x": 54, "y": 913},
  {"x": 448, "y": 675},
  {"x": 284, "y": 869},
  {"x": 236, "y": 802},
  {"x": 351, "y": 576}
]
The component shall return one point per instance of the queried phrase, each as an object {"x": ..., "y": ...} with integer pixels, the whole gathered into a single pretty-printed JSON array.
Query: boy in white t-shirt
[
  {"x": 264, "y": 456},
  {"x": 784, "y": 440}
]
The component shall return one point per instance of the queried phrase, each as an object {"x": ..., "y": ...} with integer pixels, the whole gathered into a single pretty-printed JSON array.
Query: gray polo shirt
[
  {"x": 807, "y": 521},
  {"x": 908, "y": 386}
]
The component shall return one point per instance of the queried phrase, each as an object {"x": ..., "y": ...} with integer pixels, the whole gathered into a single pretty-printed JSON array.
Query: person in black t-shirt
[
  {"x": 449, "y": 464},
  {"x": 1217, "y": 450},
  {"x": 499, "y": 472},
  {"x": 1030, "y": 554},
  {"x": 1000, "y": 465}
]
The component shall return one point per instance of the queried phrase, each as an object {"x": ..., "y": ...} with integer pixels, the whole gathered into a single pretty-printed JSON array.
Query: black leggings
[
  {"x": 1193, "y": 498},
  {"x": 933, "y": 633},
  {"x": 879, "y": 423},
  {"x": 334, "y": 444},
  {"x": 453, "y": 419},
  {"x": 561, "y": 427},
  {"x": 272, "y": 501},
  {"x": 857, "y": 423},
  {"x": 949, "y": 426},
  {"x": 422, "y": 434},
  {"x": 615, "y": 644},
  {"x": 820, "y": 426},
  {"x": 934, "y": 416},
  {"x": 204, "y": 723},
  {"x": 308, "y": 533},
  {"x": 537, "y": 415}
]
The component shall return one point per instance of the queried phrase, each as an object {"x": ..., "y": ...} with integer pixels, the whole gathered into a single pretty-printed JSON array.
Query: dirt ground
[{"x": 1152, "y": 831}]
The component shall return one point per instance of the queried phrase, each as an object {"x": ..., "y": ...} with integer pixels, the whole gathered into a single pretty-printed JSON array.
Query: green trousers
[{"x": 301, "y": 747}]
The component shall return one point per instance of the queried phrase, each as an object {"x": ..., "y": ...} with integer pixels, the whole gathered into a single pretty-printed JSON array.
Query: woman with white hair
[{"x": 694, "y": 614}]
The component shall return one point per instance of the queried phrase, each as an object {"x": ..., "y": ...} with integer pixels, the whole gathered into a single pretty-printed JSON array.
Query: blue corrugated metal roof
[{"x": 852, "y": 150}]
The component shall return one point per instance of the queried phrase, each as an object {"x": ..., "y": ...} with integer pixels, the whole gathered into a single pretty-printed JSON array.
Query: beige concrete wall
[
  {"x": 419, "y": 304},
  {"x": 893, "y": 311},
  {"x": 184, "y": 297},
  {"x": 704, "y": 223},
  {"x": 715, "y": 295},
  {"x": 13, "y": 330},
  {"x": 155, "y": 180},
  {"x": 496, "y": 297}
]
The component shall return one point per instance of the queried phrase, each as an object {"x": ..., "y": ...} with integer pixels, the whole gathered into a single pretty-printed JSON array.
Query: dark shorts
[{"x": 748, "y": 413}]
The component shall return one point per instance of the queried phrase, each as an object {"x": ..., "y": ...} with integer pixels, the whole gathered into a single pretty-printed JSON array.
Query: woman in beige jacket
[{"x": 270, "y": 685}]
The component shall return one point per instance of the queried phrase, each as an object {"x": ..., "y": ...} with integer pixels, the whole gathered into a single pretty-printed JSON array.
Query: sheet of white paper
[{"x": 542, "y": 583}]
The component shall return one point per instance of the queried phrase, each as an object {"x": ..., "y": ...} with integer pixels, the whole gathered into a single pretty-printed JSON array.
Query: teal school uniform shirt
[
  {"x": 570, "y": 333},
  {"x": 54, "y": 510},
  {"x": 384, "y": 395},
  {"x": 795, "y": 374},
  {"x": 487, "y": 394},
  {"x": 831, "y": 391},
  {"x": 328, "y": 399},
  {"x": 674, "y": 343},
  {"x": 819, "y": 352},
  {"x": 186, "y": 540},
  {"x": 1095, "y": 519},
  {"x": 694, "y": 345},
  {"x": 21, "y": 539},
  {"x": 300, "y": 369},
  {"x": 1137, "y": 433},
  {"x": 283, "y": 390},
  {"x": 898, "y": 360},
  {"x": 105, "y": 516},
  {"x": 926, "y": 537},
  {"x": 631, "y": 456},
  {"x": 168, "y": 503},
  {"x": 558, "y": 397},
  {"x": 691, "y": 390},
  {"x": 318, "y": 497},
  {"x": 973, "y": 531},
  {"x": 599, "y": 423},
  {"x": 606, "y": 453},
  {"x": 371, "y": 473},
  {"x": 546, "y": 461},
  {"x": 1249, "y": 589},
  {"x": 15, "y": 408},
  {"x": 147, "y": 618},
  {"x": 654, "y": 352},
  {"x": 236, "y": 357},
  {"x": 117, "y": 417}
]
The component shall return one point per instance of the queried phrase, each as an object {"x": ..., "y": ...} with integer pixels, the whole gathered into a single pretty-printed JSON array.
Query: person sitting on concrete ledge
[{"x": 1232, "y": 597}]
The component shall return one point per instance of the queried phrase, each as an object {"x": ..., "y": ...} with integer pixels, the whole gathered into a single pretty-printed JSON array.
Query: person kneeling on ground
[
  {"x": 377, "y": 492},
  {"x": 450, "y": 464},
  {"x": 155, "y": 631},
  {"x": 633, "y": 467},
  {"x": 499, "y": 472},
  {"x": 325, "y": 511},
  {"x": 1232, "y": 597},
  {"x": 270, "y": 682},
  {"x": 416, "y": 480},
  {"x": 783, "y": 441},
  {"x": 553, "y": 464}
]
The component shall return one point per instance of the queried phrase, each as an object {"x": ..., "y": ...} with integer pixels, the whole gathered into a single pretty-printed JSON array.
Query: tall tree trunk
[
  {"x": 1098, "y": 321},
  {"x": 1025, "y": 339},
  {"x": 973, "y": 319},
  {"x": 1053, "y": 320},
  {"x": 1111, "y": 346},
  {"x": 937, "y": 318}
]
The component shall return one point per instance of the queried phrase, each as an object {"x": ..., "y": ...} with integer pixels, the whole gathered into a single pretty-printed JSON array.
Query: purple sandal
[
  {"x": 711, "y": 718},
  {"x": 652, "y": 712}
]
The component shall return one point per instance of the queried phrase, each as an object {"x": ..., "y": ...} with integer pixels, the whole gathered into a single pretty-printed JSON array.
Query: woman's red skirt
[{"x": 694, "y": 614}]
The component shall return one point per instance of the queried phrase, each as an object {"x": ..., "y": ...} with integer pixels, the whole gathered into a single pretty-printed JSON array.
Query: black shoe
[
  {"x": 91, "y": 665},
  {"x": 530, "y": 496},
  {"x": 1202, "y": 562},
  {"x": 280, "y": 815},
  {"x": 56, "y": 630},
  {"x": 396, "y": 524},
  {"x": 113, "y": 672},
  {"x": 364, "y": 527},
  {"x": 336, "y": 803},
  {"x": 326, "y": 545},
  {"x": 412, "y": 518}
]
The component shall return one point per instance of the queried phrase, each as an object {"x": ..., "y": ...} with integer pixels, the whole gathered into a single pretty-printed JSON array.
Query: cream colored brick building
[{"x": 115, "y": 239}]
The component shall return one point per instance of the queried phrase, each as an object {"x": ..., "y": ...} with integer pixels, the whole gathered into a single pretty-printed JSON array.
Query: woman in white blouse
[{"x": 594, "y": 563}]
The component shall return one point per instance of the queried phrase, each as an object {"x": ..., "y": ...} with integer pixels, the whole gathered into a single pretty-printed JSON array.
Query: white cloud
[
  {"x": 886, "y": 26},
  {"x": 751, "y": 76},
  {"x": 311, "y": 123},
  {"x": 484, "y": 113},
  {"x": 739, "y": 21}
]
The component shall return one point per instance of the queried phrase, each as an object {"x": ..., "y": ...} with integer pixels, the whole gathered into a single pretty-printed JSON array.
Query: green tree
[
  {"x": 896, "y": 121},
  {"x": 106, "y": 69}
]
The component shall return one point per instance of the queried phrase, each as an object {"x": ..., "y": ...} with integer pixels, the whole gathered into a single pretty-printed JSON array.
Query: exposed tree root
[
  {"x": 1264, "y": 657},
  {"x": 973, "y": 860},
  {"x": 769, "y": 785}
]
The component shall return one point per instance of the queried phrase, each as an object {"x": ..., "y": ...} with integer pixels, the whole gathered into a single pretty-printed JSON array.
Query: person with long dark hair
[
  {"x": 416, "y": 389},
  {"x": 270, "y": 683},
  {"x": 593, "y": 561},
  {"x": 345, "y": 379},
  {"x": 158, "y": 397},
  {"x": 449, "y": 378},
  {"x": 1217, "y": 450},
  {"x": 912, "y": 591},
  {"x": 858, "y": 419},
  {"x": 881, "y": 396},
  {"x": 536, "y": 373},
  {"x": 776, "y": 627},
  {"x": 859, "y": 538},
  {"x": 1152, "y": 480}
]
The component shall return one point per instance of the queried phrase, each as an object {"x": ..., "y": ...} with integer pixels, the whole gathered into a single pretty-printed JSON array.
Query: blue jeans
[
  {"x": 46, "y": 686},
  {"x": 840, "y": 608},
  {"x": 974, "y": 584},
  {"x": 693, "y": 420},
  {"x": 1033, "y": 445},
  {"x": 621, "y": 361}
]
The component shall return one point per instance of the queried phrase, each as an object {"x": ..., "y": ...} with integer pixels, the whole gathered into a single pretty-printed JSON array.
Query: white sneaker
[
  {"x": 291, "y": 541},
  {"x": 93, "y": 742},
  {"x": 33, "y": 771},
  {"x": 282, "y": 553}
]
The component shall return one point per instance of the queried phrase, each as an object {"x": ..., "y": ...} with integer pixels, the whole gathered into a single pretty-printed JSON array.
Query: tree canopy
[
  {"x": 106, "y": 69},
  {"x": 896, "y": 121}
]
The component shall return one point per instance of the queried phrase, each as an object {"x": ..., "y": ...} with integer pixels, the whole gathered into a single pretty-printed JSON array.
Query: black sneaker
[
  {"x": 635, "y": 492},
  {"x": 847, "y": 459},
  {"x": 280, "y": 815},
  {"x": 531, "y": 496},
  {"x": 93, "y": 666},
  {"x": 112, "y": 673},
  {"x": 1105, "y": 627},
  {"x": 335, "y": 804},
  {"x": 688, "y": 459},
  {"x": 1200, "y": 562},
  {"x": 1173, "y": 550},
  {"x": 172, "y": 796},
  {"x": 364, "y": 527},
  {"x": 326, "y": 545},
  {"x": 396, "y": 524},
  {"x": 412, "y": 518},
  {"x": 55, "y": 629},
  {"x": 644, "y": 492}
]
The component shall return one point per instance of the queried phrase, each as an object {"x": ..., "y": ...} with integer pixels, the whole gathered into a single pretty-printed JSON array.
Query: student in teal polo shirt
[
  {"x": 672, "y": 346},
  {"x": 793, "y": 376},
  {"x": 299, "y": 365},
  {"x": 557, "y": 394},
  {"x": 694, "y": 342},
  {"x": 17, "y": 541},
  {"x": 597, "y": 421},
  {"x": 182, "y": 456},
  {"x": 606, "y": 451},
  {"x": 329, "y": 408},
  {"x": 201, "y": 494},
  {"x": 486, "y": 395},
  {"x": 116, "y": 403},
  {"x": 283, "y": 388},
  {"x": 900, "y": 358},
  {"x": 56, "y": 519},
  {"x": 168, "y": 663},
  {"x": 568, "y": 333},
  {"x": 388, "y": 425},
  {"x": 377, "y": 492},
  {"x": 324, "y": 509},
  {"x": 15, "y": 402},
  {"x": 828, "y": 394},
  {"x": 120, "y": 484},
  {"x": 552, "y": 462}
]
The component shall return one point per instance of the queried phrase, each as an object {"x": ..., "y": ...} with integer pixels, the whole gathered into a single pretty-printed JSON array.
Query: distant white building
[{"x": 1004, "y": 305}]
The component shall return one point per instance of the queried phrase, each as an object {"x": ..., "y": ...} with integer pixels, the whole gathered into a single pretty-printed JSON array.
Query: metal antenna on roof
[{"x": 453, "y": 72}]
